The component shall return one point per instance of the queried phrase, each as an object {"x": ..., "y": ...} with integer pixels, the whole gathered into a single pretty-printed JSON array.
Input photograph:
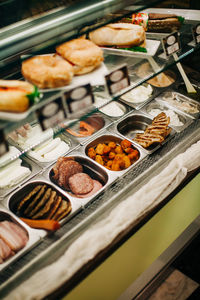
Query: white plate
[
  {"x": 97, "y": 77},
  {"x": 14, "y": 116},
  {"x": 151, "y": 46}
]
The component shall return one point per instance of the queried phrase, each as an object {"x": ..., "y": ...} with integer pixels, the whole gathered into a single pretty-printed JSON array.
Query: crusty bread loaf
[
  {"x": 13, "y": 95},
  {"x": 118, "y": 34},
  {"x": 84, "y": 55}
]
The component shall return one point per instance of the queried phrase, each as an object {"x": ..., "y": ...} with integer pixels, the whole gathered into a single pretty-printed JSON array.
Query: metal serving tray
[
  {"x": 110, "y": 137},
  {"x": 158, "y": 104},
  {"x": 34, "y": 238},
  {"x": 83, "y": 140},
  {"x": 125, "y": 108},
  {"x": 138, "y": 105},
  {"x": 136, "y": 123},
  {"x": 91, "y": 168},
  {"x": 71, "y": 143},
  {"x": 11, "y": 201},
  {"x": 35, "y": 169},
  {"x": 181, "y": 98}
]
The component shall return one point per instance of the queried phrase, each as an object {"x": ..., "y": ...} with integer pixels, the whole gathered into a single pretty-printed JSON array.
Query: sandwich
[
  {"x": 122, "y": 35},
  {"x": 17, "y": 96}
]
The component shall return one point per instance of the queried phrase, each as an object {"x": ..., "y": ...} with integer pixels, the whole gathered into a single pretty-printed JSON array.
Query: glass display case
[{"x": 121, "y": 121}]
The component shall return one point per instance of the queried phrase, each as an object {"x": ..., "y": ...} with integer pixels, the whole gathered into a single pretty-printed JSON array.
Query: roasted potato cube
[
  {"x": 109, "y": 164},
  {"x": 99, "y": 159},
  {"x": 125, "y": 144},
  {"x": 112, "y": 145},
  {"x": 127, "y": 161},
  {"x": 99, "y": 149},
  {"x": 134, "y": 155},
  {"x": 118, "y": 150},
  {"x": 91, "y": 153},
  {"x": 106, "y": 149},
  {"x": 129, "y": 150},
  {"x": 111, "y": 155}
]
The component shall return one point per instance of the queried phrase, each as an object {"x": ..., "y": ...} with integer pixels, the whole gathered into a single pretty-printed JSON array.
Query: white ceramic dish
[{"x": 151, "y": 46}]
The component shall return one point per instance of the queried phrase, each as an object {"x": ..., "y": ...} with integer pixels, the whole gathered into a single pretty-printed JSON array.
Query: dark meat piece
[
  {"x": 97, "y": 186},
  {"x": 41, "y": 214},
  {"x": 63, "y": 210},
  {"x": 41, "y": 203},
  {"x": 81, "y": 183},
  {"x": 34, "y": 201},
  {"x": 56, "y": 205},
  {"x": 66, "y": 170},
  {"x": 25, "y": 201},
  {"x": 58, "y": 164}
]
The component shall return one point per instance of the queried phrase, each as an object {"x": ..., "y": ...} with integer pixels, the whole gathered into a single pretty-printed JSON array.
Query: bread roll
[
  {"x": 118, "y": 34},
  {"x": 83, "y": 54},
  {"x": 13, "y": 95}
]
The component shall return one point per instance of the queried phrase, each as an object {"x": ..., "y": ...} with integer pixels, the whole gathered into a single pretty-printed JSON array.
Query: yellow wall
[{"x": 113, "y": 276}]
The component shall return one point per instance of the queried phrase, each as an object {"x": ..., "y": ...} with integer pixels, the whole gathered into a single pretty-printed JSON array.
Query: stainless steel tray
[
  {"x": 11, "y": 201},
  {"x": 107, "y": 136},
  {"x": 184, "y": 98},
  {"x": 163, "y": 106},
  {"x": 34, "y": 238},
  {"x": 83, "y": 140},
  {"x": 136, "y": 123},
  {"x": 139, "y": 105},
  {"x": 125, "y": 108},
  {"x": 35, "y": 169}
]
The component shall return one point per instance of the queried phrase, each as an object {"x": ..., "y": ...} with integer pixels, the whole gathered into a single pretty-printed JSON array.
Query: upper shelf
[{"x": 38, "y": 33}]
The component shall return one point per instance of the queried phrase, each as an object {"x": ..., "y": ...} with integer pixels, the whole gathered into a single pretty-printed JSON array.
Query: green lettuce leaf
[{"x": 34, "y": 97}]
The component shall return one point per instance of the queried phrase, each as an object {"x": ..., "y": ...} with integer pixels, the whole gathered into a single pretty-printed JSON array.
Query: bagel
[
  {"x": 47, "y": 71},
  {"x": 83, "y": 54},
  {"x": 14, "y": 95},
  {"x": 118, "y": 34}
]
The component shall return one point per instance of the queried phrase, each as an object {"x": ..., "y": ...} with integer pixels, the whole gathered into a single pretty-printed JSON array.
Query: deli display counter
[{"x": 91, "y": 176}]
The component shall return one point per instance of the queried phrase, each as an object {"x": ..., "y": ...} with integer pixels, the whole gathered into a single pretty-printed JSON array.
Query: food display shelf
[
  {"x": 44, "y": 33},
  {"x": 53, "y": 246}
]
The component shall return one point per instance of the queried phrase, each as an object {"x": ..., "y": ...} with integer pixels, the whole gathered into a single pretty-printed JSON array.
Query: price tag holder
[
  {"x": 196, "y": 33},
  {"x": 117, "y": 80},
  {"x": 79, "y": 98},
  {"x": 51, "y": 114},
  {"x": 171, "y": 43},
  {"x": 3, "y": 144}
]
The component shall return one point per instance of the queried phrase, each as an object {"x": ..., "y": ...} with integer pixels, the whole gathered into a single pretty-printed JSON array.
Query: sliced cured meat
[
  {"x": 41, "y": 202},
  {"x": 10, "y": 237},
  {"x": 24, "y": 202},
  {"x": 81, "y": 183},
  {"x": 47, "y": 207},
  {"x": 19, "y": 231},
  {"x": 5, "y": 251},
  {"x": 35, "y": 201},
  {"x": 97, "y": 186},
  {"x": 66, "y": 170},
  {"x": 58, "y": 164}
]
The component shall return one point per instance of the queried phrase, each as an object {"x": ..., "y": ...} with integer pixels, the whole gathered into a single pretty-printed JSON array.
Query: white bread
[
  {"x": 13, "y": 95},
  {"x": 118, "y": 34},
  {"x": 84, "y": 55},
  {"x": 47, "y": 71}
]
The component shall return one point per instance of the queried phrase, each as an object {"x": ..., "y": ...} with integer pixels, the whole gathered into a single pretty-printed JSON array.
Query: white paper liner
[{"x": 101, "y": 234}]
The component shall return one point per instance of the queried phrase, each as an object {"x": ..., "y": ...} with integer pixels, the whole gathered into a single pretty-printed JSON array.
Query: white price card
[
  {"x": 79, "y": 98},
  {"x": 196, "y": 33},
  {"x": 51, "y": 114},
  {"x": 3, "y": 144},
  {"x": 171, "y": 43},
  {"x": 117, "y": 80}
]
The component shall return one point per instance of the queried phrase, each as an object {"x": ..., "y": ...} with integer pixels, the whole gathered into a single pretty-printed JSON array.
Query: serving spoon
[{"x": 189, "y": 86}]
